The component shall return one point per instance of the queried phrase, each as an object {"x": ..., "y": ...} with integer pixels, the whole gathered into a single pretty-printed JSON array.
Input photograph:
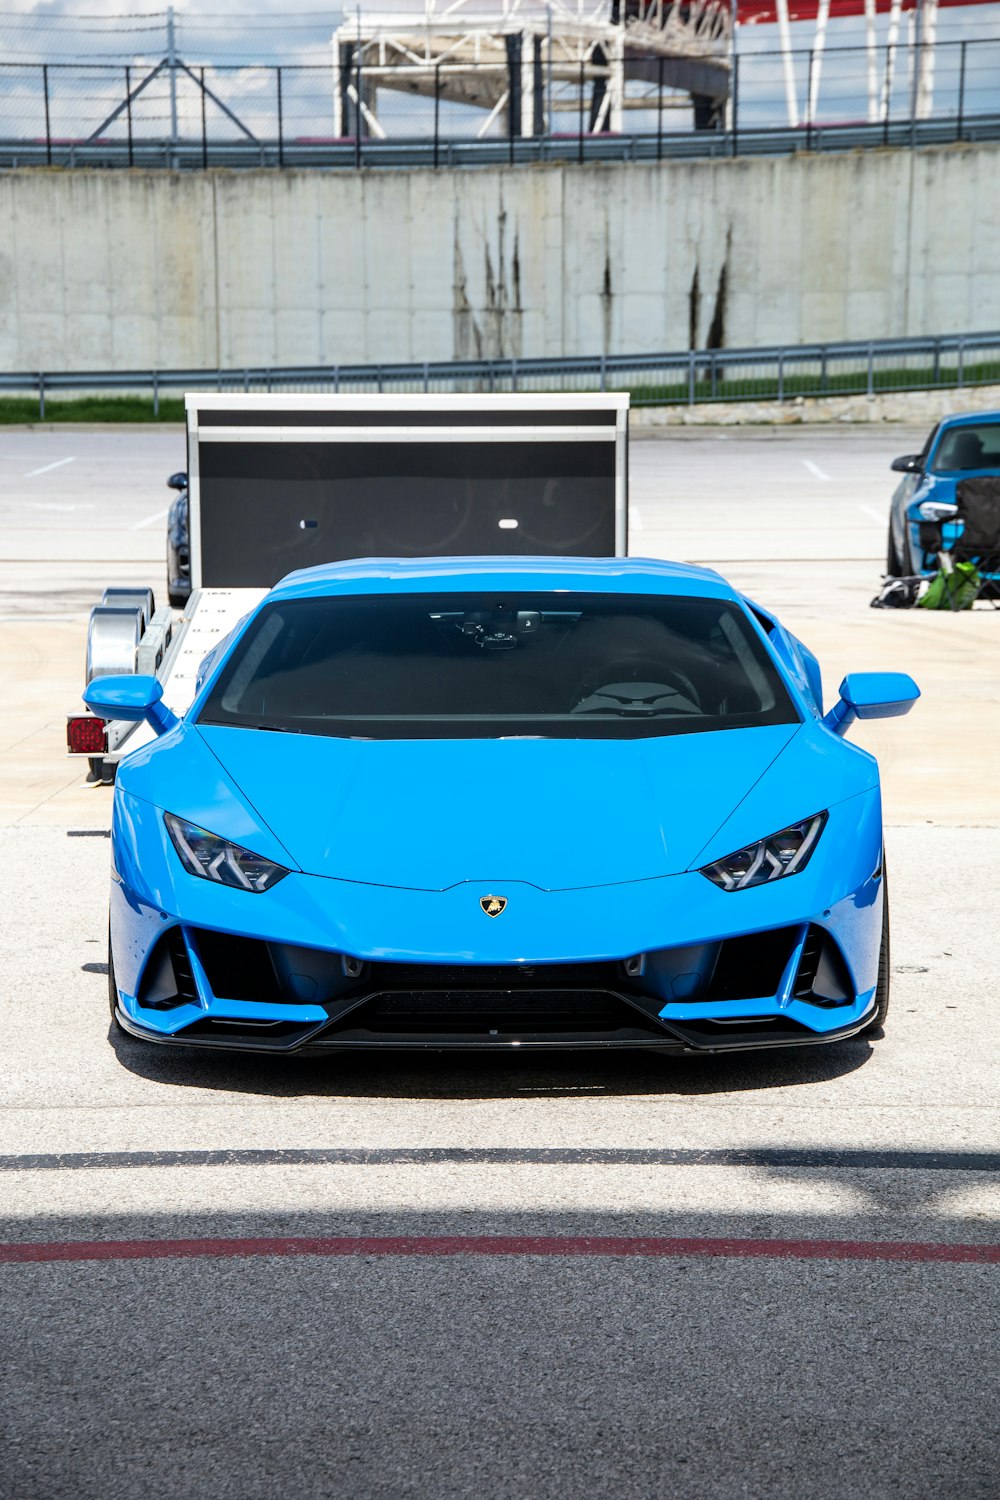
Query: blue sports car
[
  {"x": 495, "y": 803},
  {"x": 922, "y": 518}
]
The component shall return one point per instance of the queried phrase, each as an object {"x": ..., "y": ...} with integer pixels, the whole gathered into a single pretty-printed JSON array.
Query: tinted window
[
  {"x": 971, "y": 446},
  {"x": 449, "y": 666},
  {"x": 268, "y": 508}
]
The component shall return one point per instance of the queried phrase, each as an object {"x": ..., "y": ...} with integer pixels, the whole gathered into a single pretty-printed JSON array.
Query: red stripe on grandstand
[
  {"x": 498, "y": 1245},
  {"x": 765, "y": 12}
]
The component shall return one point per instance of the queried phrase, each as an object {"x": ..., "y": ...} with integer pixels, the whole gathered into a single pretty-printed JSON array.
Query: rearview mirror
[
  {"x": 872, "y": 695},
  {"x": 178, "y": 481},
  {"x": 132, "y": 698},
  {"x": 909, "y": 463}
]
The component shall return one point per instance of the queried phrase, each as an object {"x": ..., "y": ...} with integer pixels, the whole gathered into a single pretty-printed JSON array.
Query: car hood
[
  {"x": 943, "y": 486},
  {"x": 559, "y": 814}
]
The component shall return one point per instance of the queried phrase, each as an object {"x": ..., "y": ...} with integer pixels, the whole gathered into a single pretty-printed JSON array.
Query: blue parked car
[
  {"x": 922, "y": 516},
  {"x": 501, "y": 803},
  {"x": 178, "y": 542}
]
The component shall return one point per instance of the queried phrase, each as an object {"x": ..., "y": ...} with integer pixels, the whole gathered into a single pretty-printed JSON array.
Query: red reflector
[{"x": 86, "y": 735}]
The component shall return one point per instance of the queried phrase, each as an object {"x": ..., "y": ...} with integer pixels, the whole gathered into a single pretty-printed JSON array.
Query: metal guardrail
[
  {"x": 186, "y": 115},
  {"x": 681, "y": 145},
  {"x": 689, "y": 377}
]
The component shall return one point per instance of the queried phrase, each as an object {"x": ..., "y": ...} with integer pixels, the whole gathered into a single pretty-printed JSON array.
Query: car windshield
[
  {"x": 489, "y": 665},
  {"x": 971, "y": 446}
]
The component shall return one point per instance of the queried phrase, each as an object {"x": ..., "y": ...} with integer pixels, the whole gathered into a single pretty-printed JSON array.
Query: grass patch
[
  {"x": 92, "y": 409},
  {"x": 811, "y": 383}
]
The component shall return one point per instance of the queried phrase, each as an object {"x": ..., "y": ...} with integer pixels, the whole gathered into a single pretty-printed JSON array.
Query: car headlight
[
  {"x": 937, "y": 510},
  {"x": 214, "y": 858},
  {"x": 784, "y": 853}
]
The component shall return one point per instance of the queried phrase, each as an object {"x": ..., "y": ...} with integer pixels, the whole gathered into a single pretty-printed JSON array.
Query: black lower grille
[
  {"x": 167, "y": 980},
  {"x": 237, "y": 967},
  {"x": 476, "y": 977},
  {"x": 493, "y": 1013},
  {"x": 812, "y": 948},
  {"x": 752, "y": 966},
  {"x": 822, "y": 978},
  {"x": 483, "y": 1010},
  {"x": 491, "y": 999}
]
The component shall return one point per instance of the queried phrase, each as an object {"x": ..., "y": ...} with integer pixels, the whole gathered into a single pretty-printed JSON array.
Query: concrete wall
[{"x": 155, "y": 269}]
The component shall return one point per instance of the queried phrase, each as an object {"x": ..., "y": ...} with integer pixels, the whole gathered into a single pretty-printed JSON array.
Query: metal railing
[
  {"x": 181, "y": 114},
  {"x": 690, "y": 377}
]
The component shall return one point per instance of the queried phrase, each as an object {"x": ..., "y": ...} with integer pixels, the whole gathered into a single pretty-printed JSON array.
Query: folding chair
[{"x": 977, "y": 510}]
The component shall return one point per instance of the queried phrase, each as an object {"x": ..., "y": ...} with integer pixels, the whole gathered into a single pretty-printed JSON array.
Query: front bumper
[
  {"x": 671, "y": 964},
  {"x": 800, "y": 973}
]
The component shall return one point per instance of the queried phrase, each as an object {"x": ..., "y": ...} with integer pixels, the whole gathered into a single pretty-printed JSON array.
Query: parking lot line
[
  {"x": 815, "y": 469},
  {"x": 46, "y": 468},
  {"x": 149, "y": 520},
  {"x": 500, "y": 1245}
]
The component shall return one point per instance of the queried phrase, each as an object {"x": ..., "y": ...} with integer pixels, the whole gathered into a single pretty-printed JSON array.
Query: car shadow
[{"x": 472, "y": 1075}]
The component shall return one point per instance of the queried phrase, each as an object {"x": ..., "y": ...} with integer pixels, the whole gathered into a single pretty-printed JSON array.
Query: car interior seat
[{"x": 965, "y": 452}]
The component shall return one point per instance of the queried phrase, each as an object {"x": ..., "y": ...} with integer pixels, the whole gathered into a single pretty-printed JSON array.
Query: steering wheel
[{"x": 644, "y": 671}]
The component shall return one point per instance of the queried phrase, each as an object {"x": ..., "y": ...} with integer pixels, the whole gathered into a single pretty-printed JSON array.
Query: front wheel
[
  {"x": 877, "y": 1023},
  {"x": 893, "y": 561}
]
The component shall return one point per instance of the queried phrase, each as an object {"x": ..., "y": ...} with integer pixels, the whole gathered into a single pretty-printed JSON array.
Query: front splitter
[{"x": 675, "y": 1042}]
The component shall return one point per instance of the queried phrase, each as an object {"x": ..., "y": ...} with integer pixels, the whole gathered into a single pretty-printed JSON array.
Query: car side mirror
[
  {"x": 178, "y": 481},
  {"x": 132, "y": 698},
  {"x": 872, "y": 695},
  {"x": 909, "y": 463}
]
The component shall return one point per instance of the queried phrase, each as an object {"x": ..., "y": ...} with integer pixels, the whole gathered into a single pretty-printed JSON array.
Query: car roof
[
  {"x": 970, "y": 419},
  {"x": 391, "y": 575}
]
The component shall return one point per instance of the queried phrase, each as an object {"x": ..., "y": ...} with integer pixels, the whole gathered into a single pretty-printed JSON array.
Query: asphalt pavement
[{"x": 772, "y": 1275}]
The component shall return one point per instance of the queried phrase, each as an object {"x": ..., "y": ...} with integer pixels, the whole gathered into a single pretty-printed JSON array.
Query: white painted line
[
  {"x": 138, "y": 525},
  {"x": 60, "y": 505},
  {"x": 869, "y": 510},
  {"x": 635, "y": 518},
  {"x": 46, "y": 468},
  {"x": 815, "y": 469}
]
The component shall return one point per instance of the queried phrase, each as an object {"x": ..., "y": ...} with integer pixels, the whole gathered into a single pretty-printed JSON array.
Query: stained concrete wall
[{"x": 155, "y": 270}]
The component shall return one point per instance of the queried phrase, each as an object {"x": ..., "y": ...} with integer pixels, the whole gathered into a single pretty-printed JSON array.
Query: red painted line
[{"x": 544, "y": 1245}]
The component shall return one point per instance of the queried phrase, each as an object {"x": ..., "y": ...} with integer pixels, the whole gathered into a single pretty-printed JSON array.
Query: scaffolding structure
[{"x": 524, "y": 62}]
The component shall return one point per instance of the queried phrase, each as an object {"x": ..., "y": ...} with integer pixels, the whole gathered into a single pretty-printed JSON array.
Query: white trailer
[{"x": 277, "y": 483}]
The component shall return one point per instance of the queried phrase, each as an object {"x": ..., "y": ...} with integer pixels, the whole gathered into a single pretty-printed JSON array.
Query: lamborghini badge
[{"x": 493, "y": 905}]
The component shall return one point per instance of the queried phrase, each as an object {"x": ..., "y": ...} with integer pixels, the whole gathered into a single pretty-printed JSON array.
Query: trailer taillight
[{"x": 86, "y": 735}]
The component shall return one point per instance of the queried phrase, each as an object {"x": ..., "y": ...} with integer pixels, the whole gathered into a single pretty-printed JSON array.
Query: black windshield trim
[{"x": 575, "y": 729}]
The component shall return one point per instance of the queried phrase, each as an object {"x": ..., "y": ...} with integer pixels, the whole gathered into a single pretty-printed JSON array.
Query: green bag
[{"x": 957, "y": 589}]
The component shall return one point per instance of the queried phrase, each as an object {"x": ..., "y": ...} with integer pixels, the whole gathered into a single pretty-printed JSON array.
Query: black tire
[
  {"x": 113, "y": 990},
  {"x": 876, "y": 1025},
  {"x": 893, "y": 561},
  {"x": 177, "y": 601}
]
